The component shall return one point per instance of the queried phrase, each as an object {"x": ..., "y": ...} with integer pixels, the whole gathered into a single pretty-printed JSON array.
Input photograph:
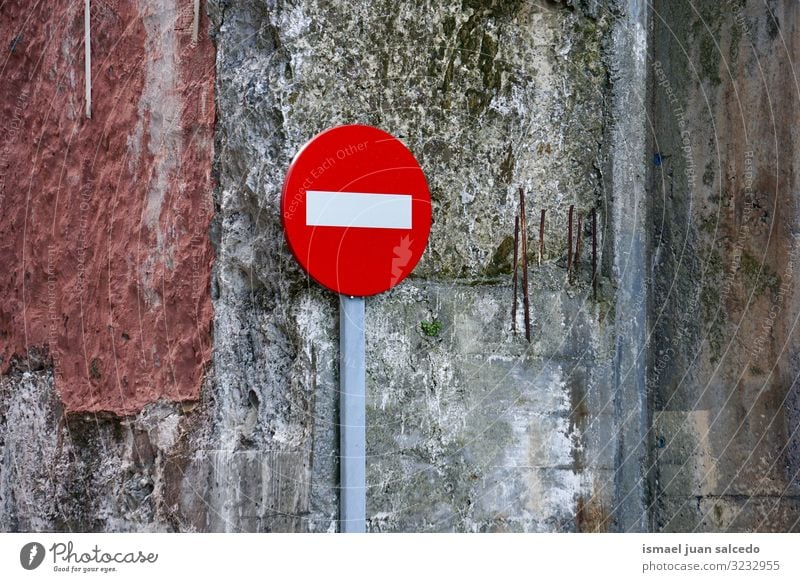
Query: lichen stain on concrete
[{"x": 106, "y": 257}]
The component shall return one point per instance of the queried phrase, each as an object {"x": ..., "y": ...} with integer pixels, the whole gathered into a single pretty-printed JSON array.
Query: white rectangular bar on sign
[{"x": 358, "y": 210}]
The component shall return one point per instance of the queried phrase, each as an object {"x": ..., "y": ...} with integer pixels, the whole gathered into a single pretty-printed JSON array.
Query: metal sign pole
[
  {"x": 369, "y": 193},
  {"x": 352, "y": 416}
]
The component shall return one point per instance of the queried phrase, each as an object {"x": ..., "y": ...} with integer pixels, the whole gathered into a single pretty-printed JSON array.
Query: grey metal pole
[{"x": 352, "y": 416}]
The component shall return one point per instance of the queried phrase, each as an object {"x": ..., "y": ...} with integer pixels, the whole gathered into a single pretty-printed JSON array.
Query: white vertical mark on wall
[
  {"x": 87, "y": 42},
  {"x": 196, "y": 21}
]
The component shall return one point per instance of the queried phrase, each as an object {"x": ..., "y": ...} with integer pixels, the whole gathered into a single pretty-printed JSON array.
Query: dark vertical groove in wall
[{"x": 650, "y": 470}]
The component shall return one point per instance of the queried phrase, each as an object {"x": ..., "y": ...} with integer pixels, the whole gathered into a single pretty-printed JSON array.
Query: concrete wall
[
  {"x": 589, "y": 427},
  {"x": 105, "y": 259},
  {"x": 471, "y": 428}
]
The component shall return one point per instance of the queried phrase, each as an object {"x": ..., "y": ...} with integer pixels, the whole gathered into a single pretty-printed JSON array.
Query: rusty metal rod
[
  {"x": 524, "y": 248},
  {"x": 514, "y": 277},
  {"x": 578, "y": 240},
  {"x": 569, "y": 240},
  {"x": 541, "y": 238},
  {"x": 594, "y": 254}
]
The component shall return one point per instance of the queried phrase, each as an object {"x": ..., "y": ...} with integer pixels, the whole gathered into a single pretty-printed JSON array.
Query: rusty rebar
[
  {"x": 569, "y": 240},
  {"x": 514, "y": 277},
  {"x": 594, "y": 254},
  {"x": 524, "y": 249},
  {"x": 541, "y": 238},
  {"x": 578, "y": 240}
]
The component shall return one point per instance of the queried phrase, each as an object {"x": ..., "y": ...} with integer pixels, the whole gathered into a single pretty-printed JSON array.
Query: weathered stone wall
[
  {"x": 106, "y": 265},
  {"x": 632, "y": 411},
  {"x": 470, "y": 427},
  {"x": 724, "y": 252}
]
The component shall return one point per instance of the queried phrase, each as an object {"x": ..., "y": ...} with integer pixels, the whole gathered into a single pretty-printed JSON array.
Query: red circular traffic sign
[{"x": 356, "y": 210}]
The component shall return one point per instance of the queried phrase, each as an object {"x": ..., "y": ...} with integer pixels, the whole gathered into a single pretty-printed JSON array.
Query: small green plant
[{"x": 431, "y": 328}]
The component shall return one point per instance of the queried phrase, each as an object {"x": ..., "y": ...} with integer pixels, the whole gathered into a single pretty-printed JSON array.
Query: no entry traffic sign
[
  {"x": 356, "y": 210},
  {"x": 357, "y": 214}
]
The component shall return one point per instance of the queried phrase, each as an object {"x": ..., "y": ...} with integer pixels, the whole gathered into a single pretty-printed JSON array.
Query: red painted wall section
[{"x": 104, "y": 252}]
